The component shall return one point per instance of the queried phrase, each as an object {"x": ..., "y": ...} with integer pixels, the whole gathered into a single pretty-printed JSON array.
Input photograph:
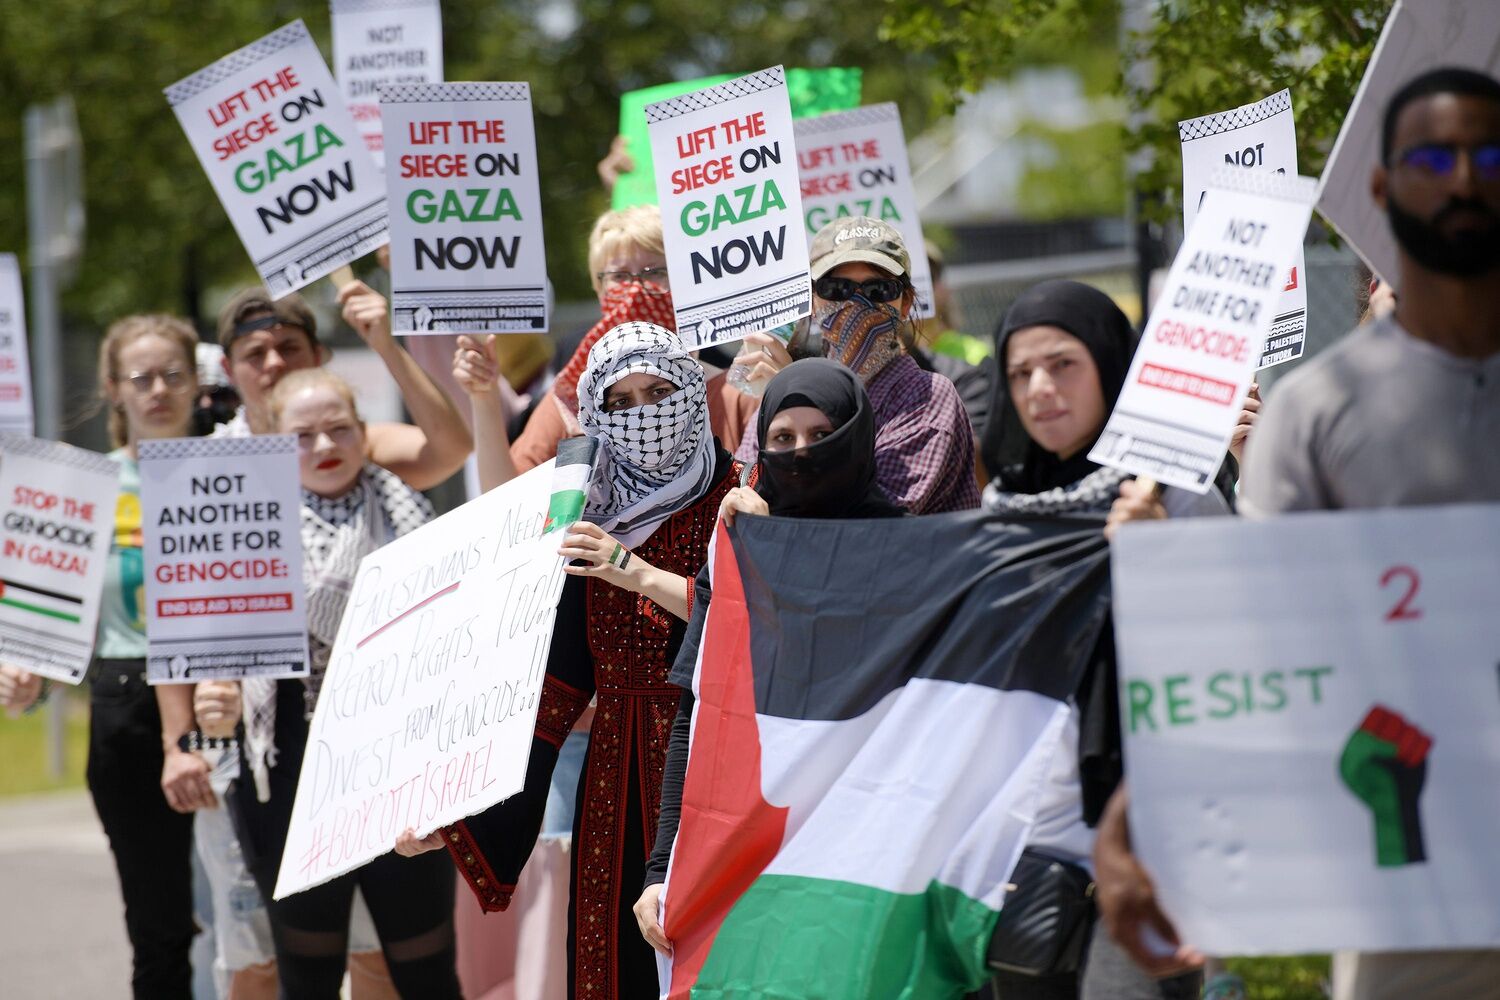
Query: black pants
[
  {"x": 410, "y": 899},
  {"x": 152, "y": 844}
]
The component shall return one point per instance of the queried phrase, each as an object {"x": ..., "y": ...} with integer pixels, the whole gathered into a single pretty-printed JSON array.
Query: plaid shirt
[{"x": 924, "y": 445}]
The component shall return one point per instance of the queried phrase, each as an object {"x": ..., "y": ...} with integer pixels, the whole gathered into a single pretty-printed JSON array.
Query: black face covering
[
  {"x": 1467, "y": 255},
  {"x": 1020, "y": 464},
  {"x": 836, "y": 476}
]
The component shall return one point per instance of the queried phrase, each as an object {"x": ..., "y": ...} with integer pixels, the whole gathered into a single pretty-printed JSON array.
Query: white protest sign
[
  {"x": 731, "y": 208},
  {"x": 270, "y": 127},
  {"x": 854, "y": 163},
  {"x": 1311, "y": 716},
  {"x": 1196, "y": 360},
  {"x": 57, "y": 515},
  {"x": 1259, "y": 136},
  {"x": 466, "y": 209},
  {"x": 427, "y": 710},
  {"x": 1419, "y": 35},
  {"x": 381, "y": 42},
  {"x": 222, "y": 521},
  {"x": 15, "y": 369}
]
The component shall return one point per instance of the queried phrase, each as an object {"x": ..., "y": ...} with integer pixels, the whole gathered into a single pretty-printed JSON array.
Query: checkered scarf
[
  {"x": 1094, "y": 493},
  {"x": 337, "y": 533},
  {"x": 625, "y": 302},
  {"x": 654, "y": 460}
]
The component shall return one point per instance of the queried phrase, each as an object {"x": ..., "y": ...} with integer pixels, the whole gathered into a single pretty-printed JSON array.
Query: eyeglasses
[
  {"x": 646, "y": 275},
  {"x": 175, "y": 379},
  {"x": 831, "y": 289},
  {"x": 1440, "y": 159}
]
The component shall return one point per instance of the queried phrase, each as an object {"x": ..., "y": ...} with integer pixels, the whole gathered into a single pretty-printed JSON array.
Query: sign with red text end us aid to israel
[
  {"x": 731, "y": 208},
  {"x": 271, "y": 129}
]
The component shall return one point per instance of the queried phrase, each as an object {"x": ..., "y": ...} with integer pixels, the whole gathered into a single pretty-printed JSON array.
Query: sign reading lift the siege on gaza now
[
  {"x": 731, "y": 208},
  {"x": 466, "y": 209},
  {"x": 270, "y": 127}
]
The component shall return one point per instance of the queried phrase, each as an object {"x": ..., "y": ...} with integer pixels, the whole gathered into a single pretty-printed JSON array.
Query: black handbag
[{"x": 1046, "y": 918}]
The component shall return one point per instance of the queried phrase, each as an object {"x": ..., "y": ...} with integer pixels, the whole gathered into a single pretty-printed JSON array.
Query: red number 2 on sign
[{"x": 1403, "y": 610}]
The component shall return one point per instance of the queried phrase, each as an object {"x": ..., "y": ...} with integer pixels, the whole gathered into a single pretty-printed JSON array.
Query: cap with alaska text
[{"x": 860, "y": 238}]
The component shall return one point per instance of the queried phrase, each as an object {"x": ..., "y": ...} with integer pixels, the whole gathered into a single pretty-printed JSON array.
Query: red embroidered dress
[{"x": 614, "y": 645}]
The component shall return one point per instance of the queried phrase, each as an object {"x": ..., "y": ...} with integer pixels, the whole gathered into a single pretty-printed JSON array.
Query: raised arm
[
  {"x": 428, "y": 453},
  {"x": 475, "y": 369}
]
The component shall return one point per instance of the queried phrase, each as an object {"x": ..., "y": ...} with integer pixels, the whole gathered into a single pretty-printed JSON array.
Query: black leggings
[
  {"x": 151, "y": 844},
  {"x": 410, "y": 901}
]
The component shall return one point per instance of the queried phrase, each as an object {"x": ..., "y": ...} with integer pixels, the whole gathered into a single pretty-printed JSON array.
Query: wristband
[{"x": 194, "y": 741}]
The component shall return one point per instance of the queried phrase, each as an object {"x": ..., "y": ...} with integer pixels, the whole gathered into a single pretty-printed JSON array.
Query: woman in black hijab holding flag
[
  {"x": 816, "y": 434},
  {"x": 1064, "y": 350}
]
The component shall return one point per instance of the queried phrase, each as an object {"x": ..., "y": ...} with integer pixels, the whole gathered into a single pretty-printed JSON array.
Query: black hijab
[
  {"x": 1018, "y": 462},
  {"x": 836, "y": 476}
]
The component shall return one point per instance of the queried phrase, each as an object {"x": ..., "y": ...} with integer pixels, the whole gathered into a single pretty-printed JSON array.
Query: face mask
[
  {"x": 650, "y": 438},
  {"x": 817, "y": 481},
  {"x": 859, "y": 334},
  {"x": 1473, "y": 253}
]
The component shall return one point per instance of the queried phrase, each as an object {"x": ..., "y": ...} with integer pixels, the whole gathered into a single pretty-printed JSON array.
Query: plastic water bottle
[{"x": 739, "y": 373}]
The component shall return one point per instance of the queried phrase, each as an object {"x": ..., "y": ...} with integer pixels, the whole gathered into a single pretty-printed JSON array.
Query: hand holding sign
[{"x": 367, "y": 312}]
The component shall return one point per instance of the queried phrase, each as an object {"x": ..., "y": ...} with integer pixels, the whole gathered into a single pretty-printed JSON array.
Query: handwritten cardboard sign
[
  {"x": 427, "y": 709},
  {"x": 270, "y": 127},
  {"x": 1310, "y": 713},
  {"x": 222, "y": 523},
  {"x": 57, "y": 508}
]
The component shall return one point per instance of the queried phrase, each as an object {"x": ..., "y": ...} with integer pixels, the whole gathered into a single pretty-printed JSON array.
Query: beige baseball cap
[{"x": 859, "y": 238}]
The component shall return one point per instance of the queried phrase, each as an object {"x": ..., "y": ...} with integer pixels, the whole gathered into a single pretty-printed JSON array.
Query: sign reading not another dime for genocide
[
  {"x": 383, "y": 42},
  {"x": 222, "y": 520},
  {"x": 1259, "y": 136},
  {"x": 1193, "y": 368},
  {"x": 853, "y": 163},
  {"x": 57, "y": 509},
  {"x": 270, "y": 127},
  {"x": 428, "y": 706},
  {"x": 1311, "y": 716},
  {"x": 466, "y": 209},
  {"x": 15, "y": 370},
  {"x": 731, "y": 207}
]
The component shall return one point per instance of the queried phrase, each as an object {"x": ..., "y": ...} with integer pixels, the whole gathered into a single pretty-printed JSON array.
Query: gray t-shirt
[{"x": 1381, "y": 419}]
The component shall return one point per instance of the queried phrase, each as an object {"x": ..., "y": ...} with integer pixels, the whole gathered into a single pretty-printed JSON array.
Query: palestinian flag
[
  {"x": 878, "y": 706},
  {"x": 570, "y": 481}
]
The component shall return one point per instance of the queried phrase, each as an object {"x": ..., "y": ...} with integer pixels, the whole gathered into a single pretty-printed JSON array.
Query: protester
[
  {"x": 143, "y": 790},
  {"x": 628, "y": 266},
  {"x": 650, "y": 512},
  {"x": 862, "y": 303},
  {"x": 1404, "y": 411},
  {"x": 350, "y": 507},
  {"x": 816, "y": 432},
  {"x": 264, "y": 339},
  {"x": 1064, "y": 349}
]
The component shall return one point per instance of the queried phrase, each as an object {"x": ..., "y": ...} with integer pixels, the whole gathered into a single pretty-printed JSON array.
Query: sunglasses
[
  {"x": 831, "y": 289},
  {"x": 174, "y": 379},
  {"x": 1440, "y": 159}
]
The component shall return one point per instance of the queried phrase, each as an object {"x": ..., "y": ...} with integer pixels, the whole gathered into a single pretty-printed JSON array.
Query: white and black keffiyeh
[
  {"x": 1094, "y": 493},
  {"x": 337, "y": 533},
  {"x": 654, "y": 460}
]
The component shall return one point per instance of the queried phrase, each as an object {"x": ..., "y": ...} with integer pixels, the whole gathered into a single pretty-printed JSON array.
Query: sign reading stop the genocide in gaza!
[
  {"x": 1196, "y": 360},
  {"x": 1259, "y": 136},
  {"x": 57, "y": 515},
  {"x": 270, "y": 127},
  {"x": 222, "y": 525},
  {"x": 731, "y": 207},
  {"x": 854, "y": 163},
  {"x": 466, "y": 209},
  {"x": 381, "y": 42}
]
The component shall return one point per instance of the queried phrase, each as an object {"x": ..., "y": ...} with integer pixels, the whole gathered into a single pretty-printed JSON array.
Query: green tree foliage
[
  {"x": 157, "y": 235},
  {"x": 1207, "y": 56}
]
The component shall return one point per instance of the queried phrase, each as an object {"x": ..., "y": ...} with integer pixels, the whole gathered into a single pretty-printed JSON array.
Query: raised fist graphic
[{"x": 1384, "y": 763}]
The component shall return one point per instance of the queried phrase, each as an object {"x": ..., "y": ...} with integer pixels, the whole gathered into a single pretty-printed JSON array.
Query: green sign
[{"x": 812, "y": 92}]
